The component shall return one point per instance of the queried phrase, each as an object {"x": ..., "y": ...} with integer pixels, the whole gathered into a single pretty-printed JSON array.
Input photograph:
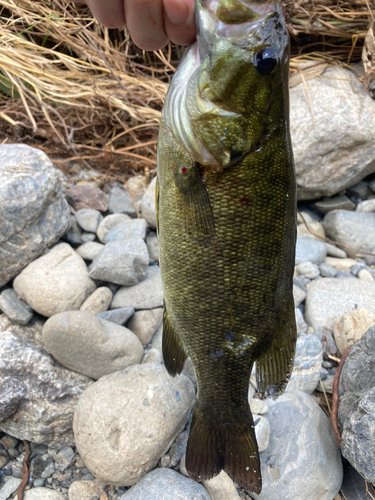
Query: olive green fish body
[{"x": 226, "y": 223}]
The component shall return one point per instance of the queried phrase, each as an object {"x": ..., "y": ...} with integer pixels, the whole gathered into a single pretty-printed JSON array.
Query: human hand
[{"x": 151, "y": 23}]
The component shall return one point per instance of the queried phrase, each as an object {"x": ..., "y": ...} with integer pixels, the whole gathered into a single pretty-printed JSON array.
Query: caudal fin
[{"x": 212, "y": 447}]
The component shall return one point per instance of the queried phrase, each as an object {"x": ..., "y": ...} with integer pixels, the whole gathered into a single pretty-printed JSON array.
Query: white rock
[
  {"x": 108, "y": 223},
  {"x": 145, "y": 295},
  {"x": 308, "y": 269},
  {"x": 364, "y": 274},
  {"x": 145, "y": 323},
  {"x": 298, "y": 294},
  {"x": 351, "y": 327},
  {"x": 343, "y": 265},
  {"x": 9, "y": 487},
  {"x": 221, "y": 487},
  {"x": 258, "y": 406},
  {"x": 300, "y": 322},
  {"x": 366, "y": 206},
  {"x": 42, "y": 494},
  {"x": 307, "y": 364},
  {"x": 99, "y": 301},
  {"x": 262, "y": 432},
  {"x": 84, "y": 490},
  {"x": 89, "y": 219},
  {"x": 89, "y": 250},
  {"x": 148, "y": 204},
  {"x": 152, "y": 356},
  {"x": 335, "y": 251}
]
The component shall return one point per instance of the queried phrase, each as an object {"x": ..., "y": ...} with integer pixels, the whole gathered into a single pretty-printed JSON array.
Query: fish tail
[{"x": 213, "y": 447}]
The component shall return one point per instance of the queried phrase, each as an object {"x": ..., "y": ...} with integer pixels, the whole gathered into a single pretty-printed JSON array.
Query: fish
[{"x": 226, "y": 220}]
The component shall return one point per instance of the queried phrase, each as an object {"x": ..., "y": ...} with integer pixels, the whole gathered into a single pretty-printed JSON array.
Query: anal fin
[
  {"x": 275, "y": 365},
  {"x": 173, "y": 352}
]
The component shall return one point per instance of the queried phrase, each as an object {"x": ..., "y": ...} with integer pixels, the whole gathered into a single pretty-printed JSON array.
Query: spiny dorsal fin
[{"x": 173, "y": 352}]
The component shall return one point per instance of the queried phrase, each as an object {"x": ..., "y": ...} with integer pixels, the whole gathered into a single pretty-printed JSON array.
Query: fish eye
[{"x": 266, "y": 61}]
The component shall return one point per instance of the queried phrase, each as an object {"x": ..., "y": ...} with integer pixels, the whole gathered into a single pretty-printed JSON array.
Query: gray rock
[
  {"x": 146, "y": 295},
  {"x": 134, "y": 228},
  {"x": 300, "y": 323},
  {"x": 221, "y": 487},
  {"x": 153, "y": 245},
  {"x": 33, "y": 212},
  {"x": 336, "y": 203},
  {"x": 308, "y": 269},
  {"x": 332, "y": 151},
  {"x": 298, "y": 294},
  {"x": 153, "y": 356},
  {"x": 55, "y": 282},
  {"x": 166, "y": 484},
  {"x": 307, "y": 364},
  {"x": 84, "y": 490},
  {"x": 108, "y": 223},
  {"x": 98, "y": 301},
  {"x": 86, "y": 344},
  {"x": 302, "y": 445},
  {"x": 123, "y": 262},
  {"x": 9, "y": 488},
  {"x": 126, "y": 422},
  {"x": 64, "y": 458},
  {"x": 89, "y": 250},
  {"x": 42, "y": 494},
  {"x": 15, "y": 308},
  {"x": 262, "y": 432},
  {"x": 118, "y": 316},
  {"x": 74, "y": 235},
  {"x": 327, "y": 271},
  {"x": 366, "y": 206},
  {"x": 330, "y": 298},
  {"x": 37, "y": 395},
  {"x": 89, "y": 219},
  {"x": 121, "y": 202},
  {"x": 360, "y": 191},
  {"x": 354, "y": 229},
  {"x": 308, "y": 249},
  {"x": 88, "y": 237},
  {"x": 334, "y": 251},
  {"x": 145, "y": 323},
  {"x": 148, "y": 209}
]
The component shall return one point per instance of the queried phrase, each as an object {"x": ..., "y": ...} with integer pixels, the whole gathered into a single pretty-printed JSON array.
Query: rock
[
  {"x": 302, "y": 444},
  {"x": 9, "y": 488},
  {"x": 166, "y": 484},
  {"x": 121, "y": 201},
  {"x": 353, "y": 487},
  {"x": 366, "y": 206},
  {"x": 98, "y": 301},
  {"x": 88, "y": 237},
  {"x": 312, "y": 230},
  {"x": 258, "y": 406},
  {"x": 332, "y": 151},
  {"x": 89, "y": 219},
  {"x": 351, "y": 327},
  {"x": 145, "y": 323},
  {"x": 221, "y": 487},
  {"x": 87, "y": 197},
  {"x": 86, "y": 344},
  {"x": 326, "y": 383},
  {"x": 118, "y": 316},
  {"x": 298, "y": 294},
  {"x": 327, "y": 270},
  {"x": 37, "y": 395},
  {"x": 308, "y": 249},
  {"x": 123, "y": 262},
  {"x": 334, "y": 251},
  {"x": 153, "y": 356},
  {"x": 152, "y": 243},
  {"x": 64, "y": 458},
  {"x": 300, "y": 322},
  {"x": 133, "y": 228},
  {"x": 360, "y": 191},
  {"x": 308, "y": 269},
  {"x": 146, "y": 295},
  {"x": 55, "y": 282},
  {"x": 74, "y": 235},
  {"x": 262, "y": 432},
  {"x": 42, "y": 494},
  {"x": 33, "y": 212},
  {"x": 15, "y": 308},
  {"x": 84, "y": 490},
  {"x": 108, "y": 223},
  {"x": 364, "y": 274},
  {"x": 3, "y": 461},
  {"x": 354, "y": 229},
  {"x": 129, "y": 419},
  {"x": 307, "y": 364},
  {"x": 341, "y": 265},
  {"x": 89, "y": 250},
  {"x": 148, "y": 209},
  {"x": 336, "y": 203},
  {"x": 329, "y": 298}
]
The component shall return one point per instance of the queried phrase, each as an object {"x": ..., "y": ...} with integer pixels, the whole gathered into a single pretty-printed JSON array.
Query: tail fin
[{"x": 213, "y": 447}]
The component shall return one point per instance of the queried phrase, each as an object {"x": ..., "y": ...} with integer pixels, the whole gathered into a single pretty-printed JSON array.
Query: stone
[
  {"x": 108, "y": 223},
  {"x": 123, "y": 262},
  {"x": 145, "y": 323},
  {"x": 99, "y": 301},
  {"x": 55, "y": 282},
  {"x": 121, "y": 201},
  {"x": 166, "y": 484},
  {"x": 33, "y": 213},
  {"x": 300, "y": 322},
  {"x": 221, "y": 487},
  {"x": 9, "y": 488},
  {"x": 88, "y": 237},
  {"x": 118, "y": 316},
  {"x": 336, "y": 203},
  {"x": 334, "y": 251},
  {"x": 86, "y": 344},
  {"x": 145, "y": 295},
  {"x": 128, "y": 420},
  {"x": 133, "y": 228},
  {"x": 64, "y": 458},
  {"x": 308, "y": 249},
  {"x": 366, "y": 206},
  {"x": 15, "y": 308},
  {"x": 330, "y": 298},
  {"x": 360, "y": 191},
  {"x": 313, "y": 230},
  {"x": 326, "y": 385},
  {"x": 3, "y": 461},
  {"x": 327, "y": 270},
  {"x": 262, "y": 432},
  {"x": 152, "y": 243},
  {"x": 307, "y": 364},
  {"x": 89, "y": 250},
  {"x": 74, "y": 235},
  {"x": 38, "y": 396},
  {"x": 42, "y": 494},
  {"x": 87, "y": 197},
  {"x": 341, "y": 265},
  {"x": 258, "y": 406},
  {"x": 354, "y": 229},
  {"x": 148, "y": 209},
  {"x": 332, "y": 151},
  {"x": 89, "y": 219},
  {"x": 298, "y": 294},
  {"x": 354, "y": 487},
  {"x": 308, "y": 269},
  {"x": 84, "y": 490},
  {"x": 351, "y": 327},
  {"x": 153, "y": 356},
  {"x": 364, "y": 274},
  {"x": 302, "y": 445}
]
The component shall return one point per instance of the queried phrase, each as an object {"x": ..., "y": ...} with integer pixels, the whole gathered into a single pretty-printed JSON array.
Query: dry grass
[{"x": 80, "y": 91}]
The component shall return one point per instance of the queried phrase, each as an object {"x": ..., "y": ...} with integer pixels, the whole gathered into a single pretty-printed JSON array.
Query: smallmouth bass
[{"x": 226, "y": 210}]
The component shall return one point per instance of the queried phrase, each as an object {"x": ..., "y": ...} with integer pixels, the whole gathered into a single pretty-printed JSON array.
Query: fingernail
[{"x": 178, "y": 12}]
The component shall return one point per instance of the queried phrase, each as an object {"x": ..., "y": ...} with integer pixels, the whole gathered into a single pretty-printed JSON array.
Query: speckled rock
[
  {"x": 56, "y": 282},
  {"x": 148, "y": 209},
  {"x": 84, "y": 490},
  {"x": 221, "y": 487},
  {"x": 15, "y": 308},
  {"x": 89, "y": 250},
  {"x": 33, "y": 213},
  {"x": 98, "y": 301},
  {"x": 42, "y": 494},
  {"x": 145, "y": 295},
  {"x": 351, "y": 327},
  {"x": 307, "y": 364},
  {"x": 145, "y": 323},
  {"x": 127, "y": 421},
  {"x": 86, "y": 344}
]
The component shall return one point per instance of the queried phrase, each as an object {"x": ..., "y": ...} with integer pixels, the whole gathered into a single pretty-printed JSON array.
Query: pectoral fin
[
  {"x": 173, "y": 352},
  {"x": 274, "y": 367}
]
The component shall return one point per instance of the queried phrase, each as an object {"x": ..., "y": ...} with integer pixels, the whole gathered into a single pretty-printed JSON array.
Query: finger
[
  {"x": 109, "y": 13},
  {"x": 144, "y": 20},
  {"x": 179, "y": 21}
]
